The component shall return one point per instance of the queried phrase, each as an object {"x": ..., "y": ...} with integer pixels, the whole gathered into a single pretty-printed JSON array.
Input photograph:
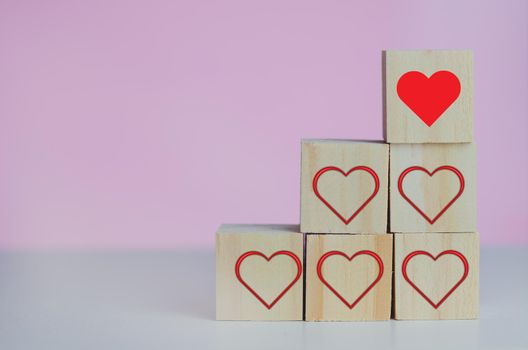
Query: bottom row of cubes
[{"x": 274, "y": 272}]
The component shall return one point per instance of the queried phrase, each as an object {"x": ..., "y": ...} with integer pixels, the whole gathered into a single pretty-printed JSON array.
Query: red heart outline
[
  {"x": 281, "y": 252},
  {"x": 419, "y": 168},
  {"x": 333, "y": 168},
  {"x": 329, "y": 286},
  {"x": 429, "y": 97},
  {"x": 445, "y": 252}
]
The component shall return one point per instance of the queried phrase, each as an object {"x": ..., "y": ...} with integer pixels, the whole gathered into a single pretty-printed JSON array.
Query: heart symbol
[
  {"x": 435, "y": 258},
  {"x": 333, "y": 168},
  {"x": 281, "y": 252},
  {"x": 428, "y": 97},
  {"x": 443, "y": 210},
  {"x": 370, "y": 286}
]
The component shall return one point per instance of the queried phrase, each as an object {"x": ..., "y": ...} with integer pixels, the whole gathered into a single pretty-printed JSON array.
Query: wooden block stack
[
  {"x": 344, "y": 203},
  {"x": 352, "y": 247},
  {"x": 429, "y": 126}
]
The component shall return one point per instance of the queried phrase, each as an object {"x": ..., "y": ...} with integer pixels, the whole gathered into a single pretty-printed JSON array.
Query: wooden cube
[
  {"x": 436, "y": 276},
  {"x": 259, "y": 272},
  {"x": 348, "y": 277},
  {"x": 344, "y": 186},
  {"x": 432, "y": 188},
  {"x": 428, "y": 96}
]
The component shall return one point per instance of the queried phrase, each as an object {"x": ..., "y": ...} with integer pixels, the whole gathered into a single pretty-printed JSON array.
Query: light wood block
[
  {"x": 344, "y": 186},
  {"x": 348, "y": 277},
  {"x": 428, "y": 96},
  {"x": 259, "y": 272},
  {"x": 432, "y": 188},
  {"x": 436, "y": 276}
]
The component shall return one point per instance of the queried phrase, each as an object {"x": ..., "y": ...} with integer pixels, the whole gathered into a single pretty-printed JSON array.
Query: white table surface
[{"x": 166, "y": 300}]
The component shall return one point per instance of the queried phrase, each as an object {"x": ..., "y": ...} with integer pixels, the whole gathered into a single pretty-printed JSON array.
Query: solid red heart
[
  {"x": 350, "y": 258},
  {"x": 333, "y": 168},
  {"x": 435, "y": 258},
  {"x": 281, "y": 294},
  {"x": 443, "y": 210},
  {"x": 428, "y": 97}
]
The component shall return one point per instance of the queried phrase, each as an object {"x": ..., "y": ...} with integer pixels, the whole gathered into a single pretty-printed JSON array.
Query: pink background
[{"x": 145, "y": 124}]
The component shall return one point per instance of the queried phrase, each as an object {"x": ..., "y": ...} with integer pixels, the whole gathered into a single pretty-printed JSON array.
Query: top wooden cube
[{"x": 428, "y": 96}]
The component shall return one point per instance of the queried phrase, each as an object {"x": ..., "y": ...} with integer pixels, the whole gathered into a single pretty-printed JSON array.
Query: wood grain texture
[
  {"x": 402, "y": 125},
  {"x": 268, "y": 278},
  {"x": 349, "y": 278},
  {"x": 436, "y": 278},
  {"x": 345, "y": 193},
  {"x": 432, "y": 193}
]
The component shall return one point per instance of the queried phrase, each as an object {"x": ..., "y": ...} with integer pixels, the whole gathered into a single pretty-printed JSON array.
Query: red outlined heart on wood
[
  {"x": 442, "y": 168},
  {"x": 318, "y": 175},
  {"x": 256, "y": 253},
  {"x": 435, "y": 258},
  {"x": 350, "y": 258},
  {"x": 429, "y": 97}
]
